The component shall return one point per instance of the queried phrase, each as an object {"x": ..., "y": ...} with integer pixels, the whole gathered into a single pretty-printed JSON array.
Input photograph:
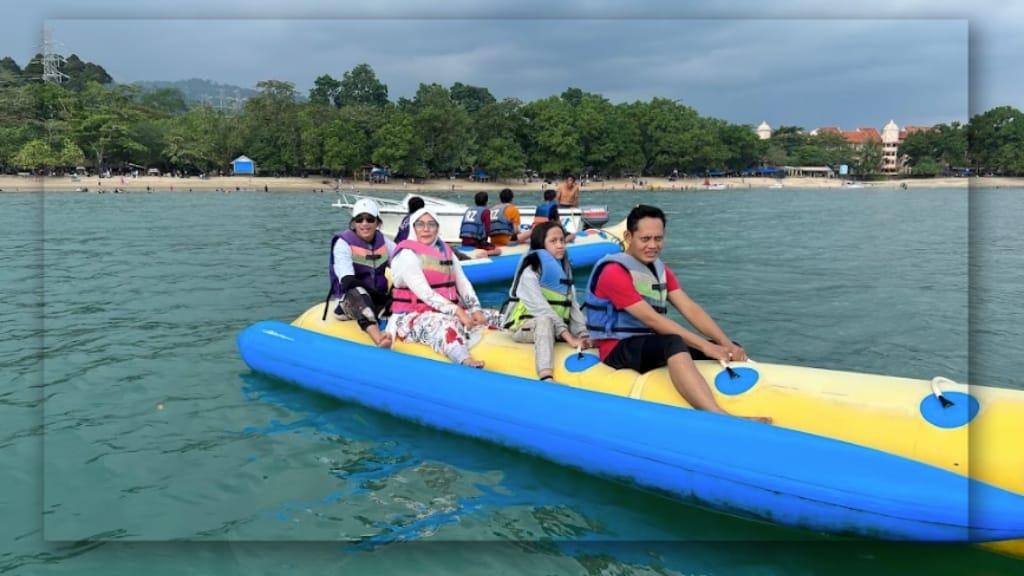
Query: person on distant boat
[
  {"x": 542, "y": 306},
  {"x": 626, "y": 307},
  {"x": 359, "y": 262},
  {"x": 415, "y": 203},
  {"x": 476, "y": 226},
  {"x": 569, "y": 193},
  {"x": 505, "y": 221},
  {"x": 549, "y": 211},
  {"x": 433, "y": 301}
]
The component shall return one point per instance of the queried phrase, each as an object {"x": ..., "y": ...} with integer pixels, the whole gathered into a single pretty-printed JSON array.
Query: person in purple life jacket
[
  {"x": 415, "y": 203},
  {"x": 360, "y": 258}
]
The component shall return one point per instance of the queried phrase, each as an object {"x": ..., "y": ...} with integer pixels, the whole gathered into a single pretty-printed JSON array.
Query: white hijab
[
  {"x": 412, "y": 225},
  {"x": 419, "y": 213}
]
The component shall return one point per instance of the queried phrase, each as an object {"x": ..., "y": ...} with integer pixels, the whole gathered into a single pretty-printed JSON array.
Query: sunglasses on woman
[{"x": 364, "y": 218}]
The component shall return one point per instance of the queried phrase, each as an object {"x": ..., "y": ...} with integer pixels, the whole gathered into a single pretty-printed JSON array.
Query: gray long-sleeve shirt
[{"x": 531, "y": 295}]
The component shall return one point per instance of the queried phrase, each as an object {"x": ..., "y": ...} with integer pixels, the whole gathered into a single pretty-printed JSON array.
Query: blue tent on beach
[{"x": 243, "y": 165}]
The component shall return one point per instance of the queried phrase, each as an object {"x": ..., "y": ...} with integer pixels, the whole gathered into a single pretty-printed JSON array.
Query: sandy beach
[{"x": 328, "y": 185}]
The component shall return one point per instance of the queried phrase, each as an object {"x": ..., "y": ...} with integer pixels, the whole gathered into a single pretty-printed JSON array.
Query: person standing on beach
[
  {"x": 569, "y": 193},
  {"x": 626, "y": 306}
]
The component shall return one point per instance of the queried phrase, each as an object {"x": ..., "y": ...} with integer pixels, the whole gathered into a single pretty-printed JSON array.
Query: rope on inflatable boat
[{"x": 937, "y": 392}]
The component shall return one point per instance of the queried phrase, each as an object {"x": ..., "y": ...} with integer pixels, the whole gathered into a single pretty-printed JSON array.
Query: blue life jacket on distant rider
[
  {"x": 603, "y": 320},
  {"x": 555, "y": 284},
  {"x": 473, "y": 224},
  {"x": 500, "y": 224},
  {"x": 545, "y": 211},
  {"x": 369, "y": 262}
]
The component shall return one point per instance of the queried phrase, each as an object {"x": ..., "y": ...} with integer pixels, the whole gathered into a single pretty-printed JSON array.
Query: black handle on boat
[
  {"x": 728, "y": 370},
  {"x": 945, "y": 402}
]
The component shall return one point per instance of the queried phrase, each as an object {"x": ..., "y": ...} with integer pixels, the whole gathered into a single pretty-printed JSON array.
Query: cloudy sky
[{"x": 793, "y": 62}]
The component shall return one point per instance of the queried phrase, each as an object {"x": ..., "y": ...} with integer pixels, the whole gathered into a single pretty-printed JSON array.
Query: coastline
[{"x": 316, "y": 184}]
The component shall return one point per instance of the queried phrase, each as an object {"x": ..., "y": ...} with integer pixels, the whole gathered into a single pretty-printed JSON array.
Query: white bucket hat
[{"x": 366, "y": 206}]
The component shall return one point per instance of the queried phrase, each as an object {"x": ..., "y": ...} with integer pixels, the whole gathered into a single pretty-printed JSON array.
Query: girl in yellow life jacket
[{"x": 542, "y": 303}]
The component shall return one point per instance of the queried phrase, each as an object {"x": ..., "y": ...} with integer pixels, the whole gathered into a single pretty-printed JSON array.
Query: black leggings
[
  {"x": 649, "y": 351},
  {"x": 364, "y": 306}
]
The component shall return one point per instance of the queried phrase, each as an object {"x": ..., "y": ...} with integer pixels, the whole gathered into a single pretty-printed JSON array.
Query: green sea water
[{"x": 136, "y": 441}]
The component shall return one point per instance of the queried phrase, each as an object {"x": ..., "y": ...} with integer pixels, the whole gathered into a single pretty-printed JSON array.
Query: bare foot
[
  {"x": 384, "y": 341},
  {"x": 472, "y": 363}
]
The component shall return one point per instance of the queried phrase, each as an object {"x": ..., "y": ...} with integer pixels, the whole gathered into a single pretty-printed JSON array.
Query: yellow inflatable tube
[{"x": 881, "y": 412}]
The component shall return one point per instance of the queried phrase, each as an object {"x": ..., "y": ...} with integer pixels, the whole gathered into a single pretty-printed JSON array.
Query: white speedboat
[{"x": 449, "y": 214}]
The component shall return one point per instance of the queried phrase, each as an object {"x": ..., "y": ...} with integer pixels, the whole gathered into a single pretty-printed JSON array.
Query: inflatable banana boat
[
  {"x": 849, "y": 453},
  {"x": 588, "y": 247}
]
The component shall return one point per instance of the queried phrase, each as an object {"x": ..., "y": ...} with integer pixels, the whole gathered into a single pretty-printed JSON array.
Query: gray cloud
[{"x": 740, "y": 60}]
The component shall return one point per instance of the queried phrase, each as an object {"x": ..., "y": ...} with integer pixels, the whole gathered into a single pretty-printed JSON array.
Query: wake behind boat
[{"x": 449, "y": 214}]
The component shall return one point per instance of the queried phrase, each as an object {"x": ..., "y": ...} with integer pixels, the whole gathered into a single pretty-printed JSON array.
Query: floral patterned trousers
[{"x": 442, "y": 332}]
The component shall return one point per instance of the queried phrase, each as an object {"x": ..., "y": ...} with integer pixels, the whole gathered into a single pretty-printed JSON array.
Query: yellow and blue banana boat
[{"x": 849, "y": 453}]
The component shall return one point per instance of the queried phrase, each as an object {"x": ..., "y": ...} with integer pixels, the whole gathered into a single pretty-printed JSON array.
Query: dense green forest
[{"x": 345, "y": 124}]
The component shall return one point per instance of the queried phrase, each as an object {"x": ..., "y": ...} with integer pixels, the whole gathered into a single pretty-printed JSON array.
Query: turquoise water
[{"x": 132, "y": 426}]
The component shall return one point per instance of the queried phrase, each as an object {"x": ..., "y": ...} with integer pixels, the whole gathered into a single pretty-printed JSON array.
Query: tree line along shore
[{"x": 344, "y": 127}]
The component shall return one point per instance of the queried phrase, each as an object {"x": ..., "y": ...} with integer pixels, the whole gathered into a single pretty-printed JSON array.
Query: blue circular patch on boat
[
  {"x": 582, "y": 233},
  {"x": 744, "y": 380},
  {"x": 578, "y": 363},
  {"x": 964, "y": 409}
]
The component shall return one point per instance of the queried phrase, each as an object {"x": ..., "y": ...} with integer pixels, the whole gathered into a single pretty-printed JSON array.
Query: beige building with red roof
[{"x": 890, "y": 139}]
